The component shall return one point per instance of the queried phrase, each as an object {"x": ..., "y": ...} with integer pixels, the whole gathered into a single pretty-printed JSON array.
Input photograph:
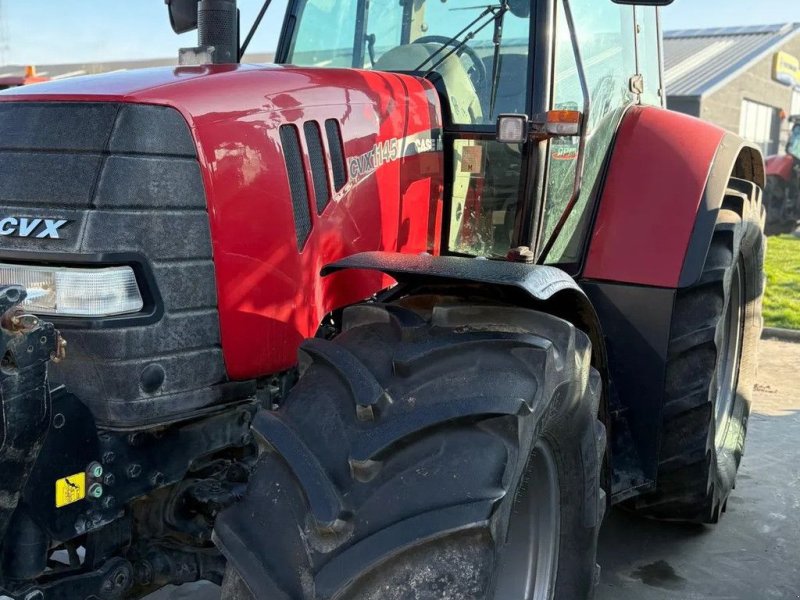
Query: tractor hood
[
  {"x": 120, "y": 85},
  {"x": 221, "y": 90},
  {"x": 271, "y": 172}
]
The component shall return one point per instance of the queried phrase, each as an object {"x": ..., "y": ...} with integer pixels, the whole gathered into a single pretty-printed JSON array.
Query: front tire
[
  {"x": 448, "y": 451},
  {"x": 711, "y": 368}
]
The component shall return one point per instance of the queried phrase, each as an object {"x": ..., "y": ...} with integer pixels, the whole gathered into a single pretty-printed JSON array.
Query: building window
[{"x": 761, "y": 124}]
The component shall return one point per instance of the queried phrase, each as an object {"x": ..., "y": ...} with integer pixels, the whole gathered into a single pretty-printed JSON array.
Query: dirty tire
[
  {"x": 703, "y": 435},
  {"x": 409, "y": 445}
]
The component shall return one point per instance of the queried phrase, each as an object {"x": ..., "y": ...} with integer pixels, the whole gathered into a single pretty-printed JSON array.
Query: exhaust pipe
[
  {"x": 217, "y": 32},
  {"x": 218, "y": 27}
]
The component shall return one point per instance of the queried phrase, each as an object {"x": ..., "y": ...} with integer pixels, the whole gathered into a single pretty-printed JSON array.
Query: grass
[{"x": 782, "y": 299}]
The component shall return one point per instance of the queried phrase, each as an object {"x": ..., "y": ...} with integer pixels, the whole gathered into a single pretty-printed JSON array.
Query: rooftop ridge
[{"x": 778, "y": 28}]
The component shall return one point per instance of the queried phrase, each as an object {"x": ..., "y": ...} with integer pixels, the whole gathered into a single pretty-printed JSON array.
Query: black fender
[
  {"x": 541, "y": 287},
  {"x": 637, "y": 318},
  {"x": 735, "y": 158}
]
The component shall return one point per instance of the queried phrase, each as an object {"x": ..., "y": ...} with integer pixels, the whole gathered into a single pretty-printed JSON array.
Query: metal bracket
[{"x": 636, "y": 84}]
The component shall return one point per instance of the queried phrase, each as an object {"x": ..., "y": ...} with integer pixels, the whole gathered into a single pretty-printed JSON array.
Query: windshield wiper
[
  {"x": 253, "y": 29},
  {"x": 468, "y": 35}
]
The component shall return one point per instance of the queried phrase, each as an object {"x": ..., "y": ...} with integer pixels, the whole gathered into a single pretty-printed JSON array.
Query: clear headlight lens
[{"x": 75, "y": 292}]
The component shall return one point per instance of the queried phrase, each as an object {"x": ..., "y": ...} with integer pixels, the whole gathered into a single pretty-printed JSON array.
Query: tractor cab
[
  {"x": 793, "y": 146},
  {"x": 492, "y": 64},
  {"x": 479, "y": 59}
]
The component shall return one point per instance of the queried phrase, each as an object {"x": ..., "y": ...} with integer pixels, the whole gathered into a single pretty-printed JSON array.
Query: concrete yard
[{"x": 753, "y": 554}]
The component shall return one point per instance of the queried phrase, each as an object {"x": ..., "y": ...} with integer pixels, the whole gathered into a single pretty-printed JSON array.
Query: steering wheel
[{"x": 477, "y": 64}]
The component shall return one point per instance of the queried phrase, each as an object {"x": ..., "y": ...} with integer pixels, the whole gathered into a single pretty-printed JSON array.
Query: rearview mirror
[
  {"x": 645, "y": 2},
  {"x": 182, "y": 15}
]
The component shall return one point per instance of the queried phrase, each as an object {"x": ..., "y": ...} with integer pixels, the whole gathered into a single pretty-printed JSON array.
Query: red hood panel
[
  {"x": 270, "y": 293},
  {"x": 126, "y": 84}
]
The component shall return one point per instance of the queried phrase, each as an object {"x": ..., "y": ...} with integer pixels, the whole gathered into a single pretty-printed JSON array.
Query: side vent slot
[
  {"x": 337, "y": 153},
  {"x": 290, "y": 140},
  {"x": 319, "y": 171}
]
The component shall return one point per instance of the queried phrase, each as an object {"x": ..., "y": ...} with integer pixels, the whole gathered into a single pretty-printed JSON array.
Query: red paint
[
  {"x": 659, "y": 168},
  {"x": 271, "y": 296},
  {"x": 780, "y": 166}
]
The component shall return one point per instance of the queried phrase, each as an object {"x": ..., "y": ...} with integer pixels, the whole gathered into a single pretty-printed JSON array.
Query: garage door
[{"x": 761, "y": 124}]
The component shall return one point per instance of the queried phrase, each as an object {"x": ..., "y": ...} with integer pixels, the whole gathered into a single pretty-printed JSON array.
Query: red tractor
[
  {"x": 782, "y": 192},
  {"x": 397, "y": 317}
]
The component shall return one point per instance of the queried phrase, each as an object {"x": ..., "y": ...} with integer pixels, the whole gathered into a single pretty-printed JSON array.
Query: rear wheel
[
  {"x": 444, "y": 452},
  {"x": 711, "y": 369}
]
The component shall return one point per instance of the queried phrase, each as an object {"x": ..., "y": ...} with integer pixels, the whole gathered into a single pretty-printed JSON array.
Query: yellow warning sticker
[{"x": 70, "y": 489}]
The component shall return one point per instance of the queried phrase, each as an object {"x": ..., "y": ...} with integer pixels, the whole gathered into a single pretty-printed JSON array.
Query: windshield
[{"x": 482, "y": 78}]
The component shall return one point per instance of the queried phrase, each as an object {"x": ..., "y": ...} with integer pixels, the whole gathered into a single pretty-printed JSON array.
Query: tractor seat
[{"x": 465, "y": 106}]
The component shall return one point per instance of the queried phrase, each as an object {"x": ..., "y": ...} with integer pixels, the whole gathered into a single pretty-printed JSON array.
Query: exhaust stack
[
  {"x": 218, "y": 28},
  {"x": 217, "y": 23}
]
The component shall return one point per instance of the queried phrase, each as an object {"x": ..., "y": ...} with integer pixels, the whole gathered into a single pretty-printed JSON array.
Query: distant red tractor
[
  {"x": 397, "y": 317},
  {"x": 782, "y": 193}
]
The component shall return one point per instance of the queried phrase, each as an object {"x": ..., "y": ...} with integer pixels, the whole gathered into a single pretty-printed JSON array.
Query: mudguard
[
  {"x": 665, "y": 184},
  {"x": 667, "y": 178},
  {"x": 545, "y": 288}
]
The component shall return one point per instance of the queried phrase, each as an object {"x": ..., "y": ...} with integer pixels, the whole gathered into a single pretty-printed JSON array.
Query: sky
[{"x": 77, "y": 31}]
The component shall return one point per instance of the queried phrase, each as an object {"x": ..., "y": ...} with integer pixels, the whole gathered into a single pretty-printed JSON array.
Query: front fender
[
  {"x": 539, "y": 287},
  {"x": 666, "y": 182},
  {"x": 541, "y": 283}
]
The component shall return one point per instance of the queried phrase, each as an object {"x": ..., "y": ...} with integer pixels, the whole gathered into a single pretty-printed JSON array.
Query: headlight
[{"x": 75, "y": 292}]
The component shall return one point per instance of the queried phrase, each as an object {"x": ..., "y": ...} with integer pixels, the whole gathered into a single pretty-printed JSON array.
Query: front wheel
[{"x": 449, "y": 451}]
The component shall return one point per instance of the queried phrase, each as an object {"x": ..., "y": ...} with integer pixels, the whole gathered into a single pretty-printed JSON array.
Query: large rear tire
[
  {"x": 711, "y": 368},
  {"x": 445, "y": 452}
]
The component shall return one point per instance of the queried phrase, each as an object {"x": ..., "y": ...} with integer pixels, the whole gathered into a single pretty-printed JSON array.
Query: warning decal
[{"x": 70, "y": 489}]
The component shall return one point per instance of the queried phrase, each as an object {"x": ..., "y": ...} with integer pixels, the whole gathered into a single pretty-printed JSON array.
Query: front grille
[{"x": 126, "y": 179}]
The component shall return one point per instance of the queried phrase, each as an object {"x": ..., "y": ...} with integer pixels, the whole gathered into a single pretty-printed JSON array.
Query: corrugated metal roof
[{"x": 698, "y": 61}]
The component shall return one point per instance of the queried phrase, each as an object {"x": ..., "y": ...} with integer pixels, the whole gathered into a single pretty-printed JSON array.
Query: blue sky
[{"x": 67, "y": 31}]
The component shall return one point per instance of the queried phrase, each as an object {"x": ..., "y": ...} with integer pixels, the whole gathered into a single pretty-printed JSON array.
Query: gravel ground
[{"x": 753, "y": 554}]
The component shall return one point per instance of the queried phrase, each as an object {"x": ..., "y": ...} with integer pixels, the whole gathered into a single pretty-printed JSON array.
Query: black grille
[
  {"x": 290, "y": 140},
  {"x": 126, "y": 180},
  {"x": 337, "y": 153},
  {"x": 319, "y": 172}
]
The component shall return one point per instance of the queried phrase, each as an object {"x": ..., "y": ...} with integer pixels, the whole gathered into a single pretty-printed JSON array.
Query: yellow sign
[
  {"x": 70, "y": 489},
  {"x": 786, "y": 69}
]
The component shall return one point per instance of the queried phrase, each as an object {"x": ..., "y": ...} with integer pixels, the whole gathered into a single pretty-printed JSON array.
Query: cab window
[{"x": 481, "y": 80}]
